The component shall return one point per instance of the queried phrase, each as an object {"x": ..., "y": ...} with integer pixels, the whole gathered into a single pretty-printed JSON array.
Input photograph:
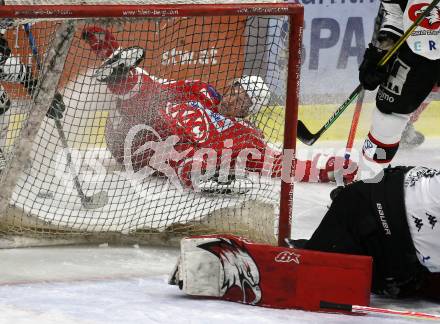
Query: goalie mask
[{"x": 257, "y": 90}]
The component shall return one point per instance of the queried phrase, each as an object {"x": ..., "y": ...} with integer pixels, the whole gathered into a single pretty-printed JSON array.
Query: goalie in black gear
[
  {"x": 404, "y": 82},
  {"x": 396, "y": 221},
  {"x": 13, "y": 71}
]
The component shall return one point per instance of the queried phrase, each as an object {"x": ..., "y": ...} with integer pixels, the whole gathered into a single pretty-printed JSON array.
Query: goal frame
[{"x": 295, "y": 12}]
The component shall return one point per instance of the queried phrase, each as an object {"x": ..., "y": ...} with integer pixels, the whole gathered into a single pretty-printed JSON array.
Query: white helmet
[{"x": 257, "y": 90}]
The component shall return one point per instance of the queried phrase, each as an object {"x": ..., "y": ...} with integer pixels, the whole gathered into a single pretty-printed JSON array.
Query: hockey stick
[
  {"x": 308, "y": 137},
  {"x": 360, "y": 100},
  {"x": 339, "y": 178},
  {"x": 97, "y": 200},
  {"x": 366, "y": 309},
  {"x": 354, "y": 124}
]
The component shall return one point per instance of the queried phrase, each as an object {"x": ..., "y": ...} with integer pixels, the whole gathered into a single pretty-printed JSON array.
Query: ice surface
[{"x": 128, "y": 285}]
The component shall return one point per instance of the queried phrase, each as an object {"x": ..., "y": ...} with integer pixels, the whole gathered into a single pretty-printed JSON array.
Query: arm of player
[
  {"x": 12, "y": 70},
  {"x": 392, "y": 23}
]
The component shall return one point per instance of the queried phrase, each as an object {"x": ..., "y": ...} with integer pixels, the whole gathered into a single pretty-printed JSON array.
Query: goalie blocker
[{"x": 232, "y": 268}]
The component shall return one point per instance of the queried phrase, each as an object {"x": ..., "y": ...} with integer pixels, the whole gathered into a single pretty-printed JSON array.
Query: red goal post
[{"x": 26, "y": 211}]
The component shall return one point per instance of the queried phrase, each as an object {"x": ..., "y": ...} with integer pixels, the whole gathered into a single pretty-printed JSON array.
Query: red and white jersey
[
  {"x": 399, "y": 15},
  {"x": 425, "y": 40},
  {"x": 140, "y": 90},
  {"x": 422, "y": 202},
  {"x": 186, "y": 108},
  {"x": 189, "y": 109}
]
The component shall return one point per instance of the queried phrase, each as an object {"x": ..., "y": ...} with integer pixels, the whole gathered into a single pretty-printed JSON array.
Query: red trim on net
[
  {"x": 291, "y": 120},
  {"x": 379, "y": 143},
  {"x": 165, "y": 10}
]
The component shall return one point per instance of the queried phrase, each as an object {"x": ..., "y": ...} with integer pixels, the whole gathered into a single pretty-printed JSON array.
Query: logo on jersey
[
  {"x": 191, "y": 117},
  {"x": 369, "y": 149},
  {"x": 425, "y": 258},
  {"x": 383, "y": 218},
  {"x": 239, "y": 269},
  {"x": 431, "y": 21},
  {"x": 418, "y": 173},
  {"x": 418, "y": 222},
  {"x": 396, "y": 80},
  {"x": 221, "y": 123},
  {"x": 432, "y": 220},
  {"x": 213, "y": 93}
]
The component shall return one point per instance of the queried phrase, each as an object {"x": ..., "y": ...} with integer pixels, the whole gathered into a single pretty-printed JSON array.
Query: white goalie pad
[{"x": 198, "y": 272}]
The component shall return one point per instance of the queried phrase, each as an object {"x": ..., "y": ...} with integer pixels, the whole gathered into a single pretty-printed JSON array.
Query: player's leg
[
  {"x": 346, "y": 221},
  {"x": 411, "y": 78},
  {"x": 118, "y": 69},
  {"x": 271, "y": 162},
  {"x": 240, "y": 149},
  {"x": 11, "y": 69},
  {"x": 412, "y": 138}
]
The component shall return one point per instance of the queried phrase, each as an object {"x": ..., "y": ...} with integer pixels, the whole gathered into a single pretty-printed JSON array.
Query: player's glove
[
  {"x": 57, "y": 107},
  {"x": 404, "y": 287},
  {"x": 6, "y": 23},
  {"x": 370, "y": 74}
]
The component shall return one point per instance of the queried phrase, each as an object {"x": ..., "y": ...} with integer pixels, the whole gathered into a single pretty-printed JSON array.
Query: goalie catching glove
[{"x": 12, "y": 70}]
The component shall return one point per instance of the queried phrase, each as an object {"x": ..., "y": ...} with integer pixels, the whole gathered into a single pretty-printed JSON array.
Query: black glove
[
  {"x": 370, "y": 74},
  {"x": 57, "y": 107},
  {"x": 405, "y": 286},
  {"x": 5, "y": 23},
  {"x": 5, "y": 51}
]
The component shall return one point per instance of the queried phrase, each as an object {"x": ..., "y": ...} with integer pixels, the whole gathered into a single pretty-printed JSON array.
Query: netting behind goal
[{"x": 49, "y": 180}]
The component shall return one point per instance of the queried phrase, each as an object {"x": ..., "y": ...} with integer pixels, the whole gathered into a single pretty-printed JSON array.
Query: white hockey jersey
[
  {"x": 422, "y": 202},
  {"x": 399, "y": 15}
]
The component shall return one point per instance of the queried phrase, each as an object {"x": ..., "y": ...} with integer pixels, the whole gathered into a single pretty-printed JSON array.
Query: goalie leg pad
[{"x": 232, "y": 268}]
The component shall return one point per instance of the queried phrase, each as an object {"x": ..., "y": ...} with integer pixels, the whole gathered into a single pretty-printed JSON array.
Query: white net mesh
[{"x": 53, "y": 197}]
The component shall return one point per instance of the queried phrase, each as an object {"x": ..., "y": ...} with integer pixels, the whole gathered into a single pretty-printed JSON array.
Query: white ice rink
[{"x": 129, "y": 285}]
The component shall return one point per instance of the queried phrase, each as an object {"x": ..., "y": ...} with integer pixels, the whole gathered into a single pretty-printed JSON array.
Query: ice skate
[
  {"x": 411, "y": 138},
  {"x": 119, "y": 64}
]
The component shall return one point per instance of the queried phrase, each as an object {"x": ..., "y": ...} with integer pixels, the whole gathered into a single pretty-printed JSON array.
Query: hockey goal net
[{"x": 62, "y": 182}]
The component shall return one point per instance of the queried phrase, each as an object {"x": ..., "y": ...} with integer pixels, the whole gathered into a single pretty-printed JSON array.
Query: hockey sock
[
  {"x": 325, "y": 168},
  {"x": 382, "y": 142}
]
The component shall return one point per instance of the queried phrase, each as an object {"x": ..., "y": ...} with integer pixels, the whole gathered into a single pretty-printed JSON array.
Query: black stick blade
[{"x": 304, "y": 135}]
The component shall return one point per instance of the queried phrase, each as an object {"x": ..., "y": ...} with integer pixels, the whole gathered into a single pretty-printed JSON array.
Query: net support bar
[{"x": 42, "y": 99}]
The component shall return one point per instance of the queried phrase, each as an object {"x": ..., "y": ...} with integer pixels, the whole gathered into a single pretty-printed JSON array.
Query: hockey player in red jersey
[
  {"x": 404, "y": 82},
  {"x": 193, "y": 111}
]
